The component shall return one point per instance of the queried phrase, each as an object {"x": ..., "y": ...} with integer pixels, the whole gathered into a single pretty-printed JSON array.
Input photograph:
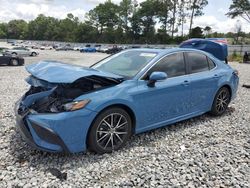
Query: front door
[{"x": 168, "y": 99}]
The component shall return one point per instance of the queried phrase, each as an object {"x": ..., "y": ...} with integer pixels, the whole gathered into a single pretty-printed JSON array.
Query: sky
[{"x": 214, "y": 12}]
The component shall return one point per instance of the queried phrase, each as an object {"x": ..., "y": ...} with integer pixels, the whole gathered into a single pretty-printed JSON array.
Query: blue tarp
[{"x": 217, "y": 47}]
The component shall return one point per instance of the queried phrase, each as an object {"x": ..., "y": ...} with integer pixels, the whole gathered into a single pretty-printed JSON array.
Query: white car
[
  {"x": 21, "y": 51},
  {"x": 46, "y": 48},
  {"x": 77, "y": 48}
]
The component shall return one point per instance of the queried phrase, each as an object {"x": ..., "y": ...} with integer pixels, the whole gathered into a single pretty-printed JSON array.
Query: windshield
[{"x": 126, "y": 64}]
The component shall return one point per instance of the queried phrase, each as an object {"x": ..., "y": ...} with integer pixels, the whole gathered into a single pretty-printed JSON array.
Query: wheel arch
[
  {"x": 229, "y": 89},
  {"x": 124, "y": 107},
  {"x": 118, "y": 105},
  {"x": 227, "y": 85},
  {"x": 129, "y": 111},
  {"x": 11, "y": 59}
]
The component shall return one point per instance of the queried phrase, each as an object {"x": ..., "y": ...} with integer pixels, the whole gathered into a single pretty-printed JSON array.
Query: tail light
[{"x": 236, "y": 72}]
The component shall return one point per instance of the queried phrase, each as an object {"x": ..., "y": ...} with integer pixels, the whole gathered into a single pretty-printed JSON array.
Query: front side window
[
  {"x": 197, "y": 62},
  {"x": 173, "y": 65}
]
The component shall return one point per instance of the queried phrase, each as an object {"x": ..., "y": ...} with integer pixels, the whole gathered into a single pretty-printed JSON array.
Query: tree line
[{"x": 152, "y": 21}]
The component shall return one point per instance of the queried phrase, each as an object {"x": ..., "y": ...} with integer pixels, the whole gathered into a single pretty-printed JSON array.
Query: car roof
[{"x": 161, "y": 52}]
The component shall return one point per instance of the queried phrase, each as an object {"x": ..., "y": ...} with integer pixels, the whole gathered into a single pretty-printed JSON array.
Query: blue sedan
[
  {"x": 71, "y": 108},
  {"x": 88, "y": 49}
]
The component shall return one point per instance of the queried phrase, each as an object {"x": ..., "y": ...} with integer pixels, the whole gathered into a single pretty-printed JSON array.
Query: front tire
[
  {"x": 110, "y": 131},
  {"x": 221, "y": 101},
  {"x": 14, "y": 62}
]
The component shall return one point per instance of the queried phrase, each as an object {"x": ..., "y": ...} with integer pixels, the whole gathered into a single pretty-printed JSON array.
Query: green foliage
[
  {"x": 196, "y": 33},
  {"x": 3, "y": 30},
  {"x": 151, "y": 21},
  {"x": 125, "y": 11},
  {"x": 147, "y": 19},
  {"x": 17, "y": 29},
  {"x": 196, "y": 7},
  {"x": 235, "y": 57},
  {"x": 240, "y": 8},
  {"x": 43, "y": 28}
]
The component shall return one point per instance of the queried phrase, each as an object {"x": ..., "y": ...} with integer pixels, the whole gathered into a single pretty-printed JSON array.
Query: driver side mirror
[{"x": 156, "y": 76}]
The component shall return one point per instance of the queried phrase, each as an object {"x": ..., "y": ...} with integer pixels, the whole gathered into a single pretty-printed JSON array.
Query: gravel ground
[{"x": 201, "y": 152}]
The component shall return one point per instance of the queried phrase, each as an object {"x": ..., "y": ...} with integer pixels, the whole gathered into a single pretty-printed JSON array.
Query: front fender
[
  {"x": 100, "y": 107},
  {"x": 117, "y": 95}
]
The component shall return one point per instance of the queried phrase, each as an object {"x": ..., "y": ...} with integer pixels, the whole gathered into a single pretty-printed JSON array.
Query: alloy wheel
[
  {"x": 112, "y": 131},
  {"x": 222, "y": 101}
]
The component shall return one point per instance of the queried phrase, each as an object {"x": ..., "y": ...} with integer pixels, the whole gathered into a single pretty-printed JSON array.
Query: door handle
[
  {"x": 185, "y": 83},
  {"x": 216, "y": 76}
]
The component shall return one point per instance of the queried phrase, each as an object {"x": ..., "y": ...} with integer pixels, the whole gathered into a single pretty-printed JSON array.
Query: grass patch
[{"x": 235, "y": 57}]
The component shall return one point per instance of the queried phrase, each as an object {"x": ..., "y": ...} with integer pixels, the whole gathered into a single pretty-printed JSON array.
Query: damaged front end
[
  {"x": 44, "y": 97},
  {"x": 48, "y": 116}
]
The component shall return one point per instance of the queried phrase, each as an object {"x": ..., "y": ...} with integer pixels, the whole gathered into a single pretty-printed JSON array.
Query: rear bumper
[{"x": 235, "y": 85}]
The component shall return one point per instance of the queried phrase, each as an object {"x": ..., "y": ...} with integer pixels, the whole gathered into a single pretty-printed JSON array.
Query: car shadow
[
  {"x": 6, "y": 65},
  {"x": 23, "y": 153}
]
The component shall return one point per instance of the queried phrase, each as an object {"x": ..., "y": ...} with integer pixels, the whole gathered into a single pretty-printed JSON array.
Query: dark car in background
[
  {"x": 246, "y": 57},
  {"x": 6, "y": 59},
  {"x": 115, "y": 49}
]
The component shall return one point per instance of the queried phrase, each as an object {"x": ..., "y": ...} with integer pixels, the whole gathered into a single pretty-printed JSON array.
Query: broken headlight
[{"x": 75, "y": 105}]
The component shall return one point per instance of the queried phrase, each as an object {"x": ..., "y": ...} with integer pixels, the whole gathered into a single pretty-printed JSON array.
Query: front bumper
[{"x": 55, "y": 132}]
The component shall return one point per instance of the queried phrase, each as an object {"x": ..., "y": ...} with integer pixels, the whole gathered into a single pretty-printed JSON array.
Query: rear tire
[
  {"x": 221, "y": 101},
  {"x": 110, "y": 131}
]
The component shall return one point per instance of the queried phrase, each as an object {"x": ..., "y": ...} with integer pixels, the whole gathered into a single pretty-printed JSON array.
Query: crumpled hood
[{"x": 57, "y": 72}]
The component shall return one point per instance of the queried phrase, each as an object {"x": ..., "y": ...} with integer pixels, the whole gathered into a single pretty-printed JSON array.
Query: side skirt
[{"x": 170, "y": 121}]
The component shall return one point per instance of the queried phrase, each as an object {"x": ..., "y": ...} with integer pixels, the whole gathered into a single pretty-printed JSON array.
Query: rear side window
[
  {"x": 173, "y": 65},
  {"x": 210, "y": 63},
  {"x": 197, "y": 62}
]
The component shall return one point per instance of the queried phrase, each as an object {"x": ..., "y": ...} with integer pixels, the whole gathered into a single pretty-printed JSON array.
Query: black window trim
[
  {"x": 188, "y": 65},
  {"x": 142, "y": 77}
]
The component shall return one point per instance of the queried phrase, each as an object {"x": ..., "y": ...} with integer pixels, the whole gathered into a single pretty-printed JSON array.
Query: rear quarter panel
[{"x": 228, "y": 78}]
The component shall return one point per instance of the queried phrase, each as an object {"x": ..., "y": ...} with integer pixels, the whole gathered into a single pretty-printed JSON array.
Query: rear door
[
  {"x": 26, "y": 52},
  {"x": 204, "y": 80}
]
